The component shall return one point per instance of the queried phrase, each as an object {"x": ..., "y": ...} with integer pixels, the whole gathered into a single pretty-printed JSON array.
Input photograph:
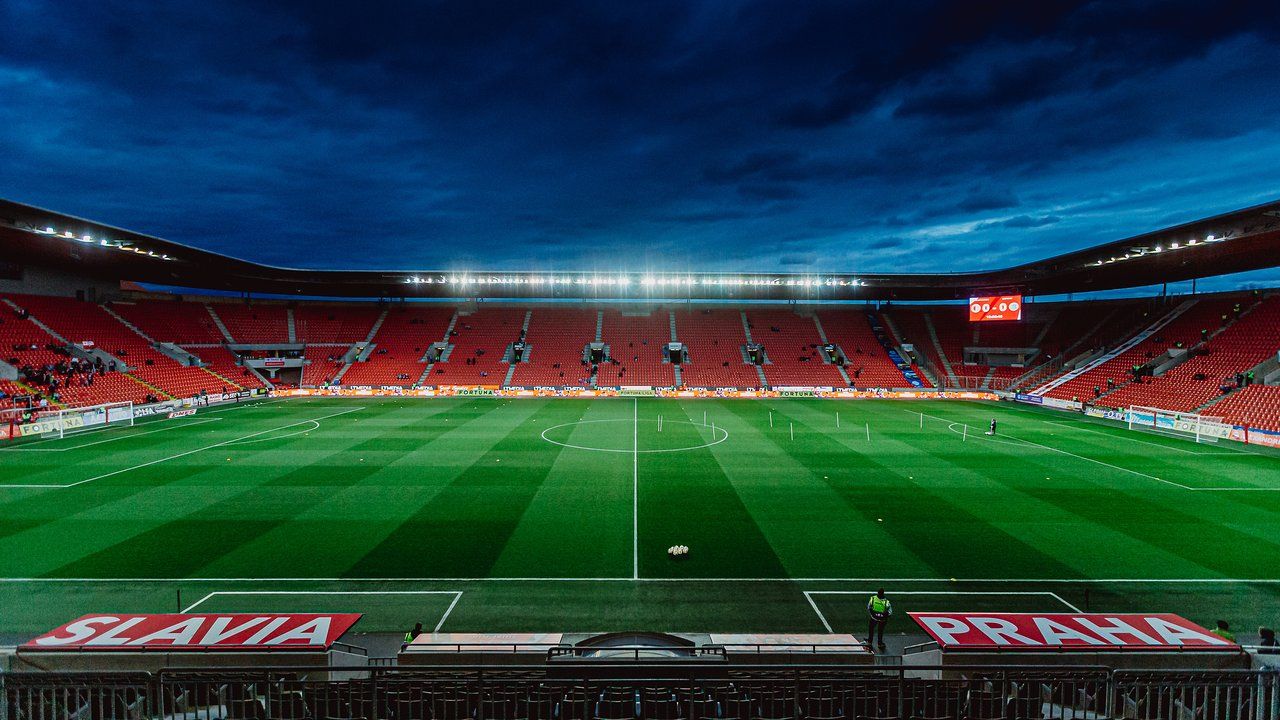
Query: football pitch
[{"x": 496, "y": 515}]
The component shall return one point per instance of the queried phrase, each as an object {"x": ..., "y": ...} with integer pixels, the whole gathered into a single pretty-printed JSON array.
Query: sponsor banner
[
  {"x": 1025, "y": 398},
  {"x": 1067, "y": 631},
  {"x": 1073, "y": 405},
  {"x": 40, "y": 427},
  {"x": 1098, "y": 412},
  {"x": 243, "y": 632},
  {"x": 579, "y": 392},
  {"x": 273, "y": 362},
  {"x": 635, "y": 391},
  {"x": 182, "y": 413},
  {"x": 995, "y": 307}
]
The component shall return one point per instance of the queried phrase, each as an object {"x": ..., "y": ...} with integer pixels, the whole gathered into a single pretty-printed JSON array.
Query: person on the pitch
[
  {"x": 878, "y": 611},
  {"x": 992, "y": 431}
]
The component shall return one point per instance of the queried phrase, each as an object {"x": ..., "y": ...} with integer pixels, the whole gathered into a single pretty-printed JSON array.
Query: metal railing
[{"x": 650, "y": 691}]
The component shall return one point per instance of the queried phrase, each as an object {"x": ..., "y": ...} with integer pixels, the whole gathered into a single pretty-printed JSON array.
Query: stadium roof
[{"x": 1238, "y": 241}]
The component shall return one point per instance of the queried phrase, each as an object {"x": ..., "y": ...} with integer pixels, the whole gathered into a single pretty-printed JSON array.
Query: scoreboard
[{"x": 995, "y": 307}]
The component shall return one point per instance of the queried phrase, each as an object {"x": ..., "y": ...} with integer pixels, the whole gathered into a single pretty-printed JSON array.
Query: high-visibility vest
[{"x": 878, "y": 605}]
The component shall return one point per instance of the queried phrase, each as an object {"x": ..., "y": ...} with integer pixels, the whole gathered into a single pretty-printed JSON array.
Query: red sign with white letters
[
  {"x": 1079, "y": 631},
  {"x": 264, "y": 631}
]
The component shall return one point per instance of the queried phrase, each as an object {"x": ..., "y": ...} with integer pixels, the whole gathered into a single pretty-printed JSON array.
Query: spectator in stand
[
  {"x": 1223, "y": 630},
  {"x": 1267, "y": 641}
]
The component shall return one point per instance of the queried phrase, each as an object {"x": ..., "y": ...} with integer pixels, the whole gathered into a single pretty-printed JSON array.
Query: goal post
[
  {"x": 1201, "y": 428},
  {"x": 61, "y": 422}
]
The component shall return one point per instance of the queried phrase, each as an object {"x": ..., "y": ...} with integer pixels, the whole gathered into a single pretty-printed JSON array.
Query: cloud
[{"x": 574, "y": 133}]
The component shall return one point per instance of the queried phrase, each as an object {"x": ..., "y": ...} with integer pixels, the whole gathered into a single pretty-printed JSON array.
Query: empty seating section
[
  {"x": 1195, "y": 382},
  {"x": 556, "y": 339},
  {"x": 912, "y": 330},
  {"x": 402, "y": 341},
  {"x": 1257, "y": 406},
  {"x": 82, "y": 321},
  {"x": 714, "y": 339},
  {"x": 792, "y": 344},
  {"x": 22, "y": 342},
  {"x": 254, "y": 324},
  {"x": 183, "y": 323},
  {"x": 866, "y": 362},
  {"x": 323, "y": 362},
  {"x": 637, "y": 343},
  {"x": 223, "y": 362},
  {"x": 330, "y": 324},
  {"x": 479, "y": 341},
  {"x": 1185, "y": 329}
]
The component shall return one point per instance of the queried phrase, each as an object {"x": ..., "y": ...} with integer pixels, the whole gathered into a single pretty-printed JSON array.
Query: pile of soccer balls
[{"x": 678, "y": 551}]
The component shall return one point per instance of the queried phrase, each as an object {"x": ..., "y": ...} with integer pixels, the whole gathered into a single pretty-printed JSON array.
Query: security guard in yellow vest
[{"x": 878, "y": 611}]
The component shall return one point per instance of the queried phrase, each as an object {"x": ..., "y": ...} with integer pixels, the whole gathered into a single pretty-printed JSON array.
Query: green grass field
[{"x": 543, "y": 515}]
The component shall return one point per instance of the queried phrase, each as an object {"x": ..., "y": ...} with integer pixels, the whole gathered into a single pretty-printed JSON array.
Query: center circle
[{"x": 719, "y": 435}]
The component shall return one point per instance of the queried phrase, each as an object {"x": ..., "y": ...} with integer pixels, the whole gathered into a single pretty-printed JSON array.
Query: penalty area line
[
  {"x": 181, "y": 454},
  {"x": 457, "y": 595}
]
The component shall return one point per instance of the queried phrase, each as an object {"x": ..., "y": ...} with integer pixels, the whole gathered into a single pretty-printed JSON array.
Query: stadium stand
[
  {"x": 399, "y": 347},
  {"x": 556, "y": 341},
  {"x": 1183, "y": 331},
  {"x": 791, "y": 342},
  {"x": 223, "y": 362},
  {"x": 1240, "y": 346},
  {"x": 182, "y": 323},
  {"x": 323, "y": 363},
  {"x": 261, "y": 324},
  {"x": 714, "y": 339},
  {"x": 479, "y": 341},
  {"x": 78, "y": 321},
  {"x": 914, "y": 330},
  {"x": 333, "y": 324},
  {"x": 636, "y": 342},
  {"x": 867, "y": 364},
  {"x": 1255, "y": 406}
]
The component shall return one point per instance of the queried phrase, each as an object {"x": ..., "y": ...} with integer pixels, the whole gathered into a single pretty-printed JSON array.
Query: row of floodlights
[
  {"x": 648, "y": 281},
  {"x": 87, "y": 239},
  {"x": 1142, "y": 252}
]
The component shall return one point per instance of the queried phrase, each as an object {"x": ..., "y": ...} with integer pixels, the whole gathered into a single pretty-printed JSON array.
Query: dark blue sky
[{"x": 658, "y": 135}]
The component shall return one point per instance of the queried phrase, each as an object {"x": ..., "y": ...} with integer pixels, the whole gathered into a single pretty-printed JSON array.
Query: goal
[
  {"x": 1204, "y": 428},
  {"x": 61, "y": 422}
]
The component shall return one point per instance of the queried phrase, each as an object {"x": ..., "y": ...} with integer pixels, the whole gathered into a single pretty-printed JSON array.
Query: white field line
[
  {"x": 952, "y": 423},
  {"x": 181, "y": 454},
  {"x": 1076, "y": 426},
  {"x": 635, "y": 489},
  {"x": 24, "y": 447},
  {"x": 315, "y": 425},
  {"x": 808, "y": 594},
  {"x": 1066, "y": 581},
  {"x": 457, "y": 595}
]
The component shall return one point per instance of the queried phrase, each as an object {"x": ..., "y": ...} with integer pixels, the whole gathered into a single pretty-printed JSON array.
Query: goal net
[
  {"x": 61, "y": 422},
  {"x": 1203, "y": 428}
]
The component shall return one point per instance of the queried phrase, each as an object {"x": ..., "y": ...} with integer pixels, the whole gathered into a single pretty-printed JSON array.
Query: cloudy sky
[{"x": 790, "y": 136}]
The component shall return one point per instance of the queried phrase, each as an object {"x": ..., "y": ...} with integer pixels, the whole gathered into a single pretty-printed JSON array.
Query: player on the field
[{"x": 992, "y": 431}]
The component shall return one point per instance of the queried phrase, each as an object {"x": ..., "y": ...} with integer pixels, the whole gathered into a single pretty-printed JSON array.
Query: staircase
[
  {"x": 511, "y": 366},
  {"x": 293, "y": 326},
  {"x": 746, "y": 331},
  {"x": 1117, "y": 350},
  {"x": 937, "y": 345},
  {"x": 822, "y": 335},
  {"x": 674, "y": 366},
  {"x": 599, "y": 326},
  {"x": 120, "y": 319},
  {"x": 448, "y": 333},
  {"x": 368, "y": 340},
  {"x": 217, "y": 321}
]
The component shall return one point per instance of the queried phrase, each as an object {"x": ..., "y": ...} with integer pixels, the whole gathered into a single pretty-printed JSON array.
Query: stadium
[{"x": 517, "y": 490}]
